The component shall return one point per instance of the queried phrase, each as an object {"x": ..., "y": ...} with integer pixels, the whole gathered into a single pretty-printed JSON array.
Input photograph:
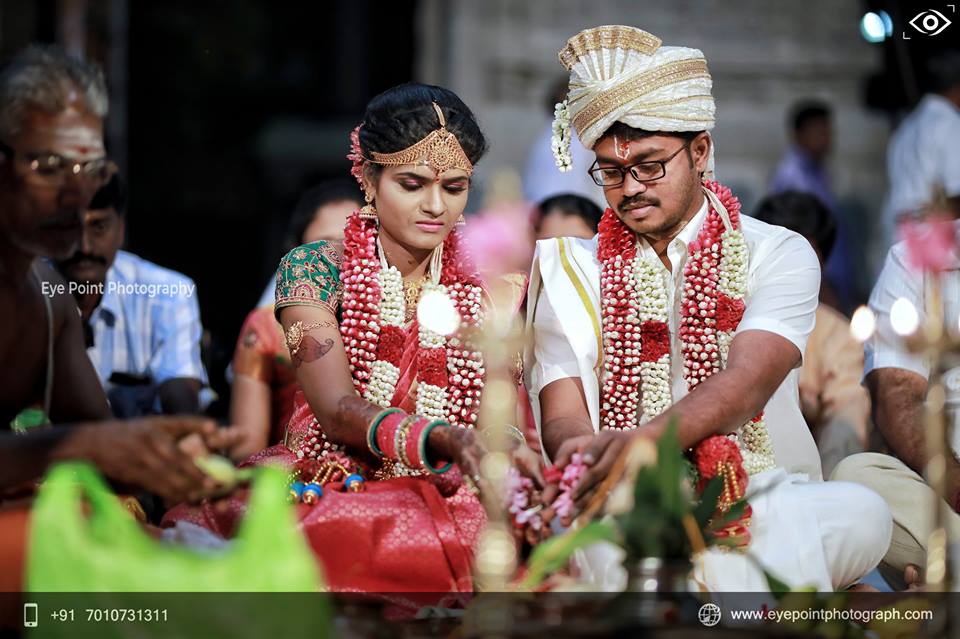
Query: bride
[{"x": 382, "y": 440}]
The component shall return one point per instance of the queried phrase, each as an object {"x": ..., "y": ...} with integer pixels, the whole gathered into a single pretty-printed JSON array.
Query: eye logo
[{"x": 930, "y": 22}]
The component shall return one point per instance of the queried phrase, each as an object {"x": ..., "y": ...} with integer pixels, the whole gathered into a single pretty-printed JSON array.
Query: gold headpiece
[{"x": 440, "y": 150}]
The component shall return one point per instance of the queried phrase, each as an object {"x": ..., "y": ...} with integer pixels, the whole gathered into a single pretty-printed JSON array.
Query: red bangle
[
  {"x": 387, "y": 434},
  {"x": 412, "y": 448}
]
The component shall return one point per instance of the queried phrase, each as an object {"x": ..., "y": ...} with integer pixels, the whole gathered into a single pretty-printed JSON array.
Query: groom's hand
[{"x": 599, "y": 453}]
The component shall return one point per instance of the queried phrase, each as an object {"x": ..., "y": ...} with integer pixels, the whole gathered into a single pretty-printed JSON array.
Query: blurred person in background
[
  {"x": 340, "y": 196},
  {"x": 923, "y": 157},
  {"x": 804, "y": 169},
  {"x": 898, "y": 379},
  {"x": 835, "y": 405},
  {"x": 566, "y": 215},
  {"x": 264, "y": 382},
  {"x": 541, "y": 179},
  {"x": 144, "y": 343}
]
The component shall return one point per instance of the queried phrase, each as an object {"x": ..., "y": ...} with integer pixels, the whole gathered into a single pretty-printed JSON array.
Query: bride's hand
[
  {"x": 530, "y": 464},
  {"x": 467, "y": 450}
]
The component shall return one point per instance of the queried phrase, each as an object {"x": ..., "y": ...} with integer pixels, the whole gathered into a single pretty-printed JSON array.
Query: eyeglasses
[
  {"x": 52, "y": 169},
  {"x": 607, "y": 176}
]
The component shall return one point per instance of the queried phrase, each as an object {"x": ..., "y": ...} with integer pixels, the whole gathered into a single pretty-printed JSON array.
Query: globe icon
[{"x": 709, "y": 614}]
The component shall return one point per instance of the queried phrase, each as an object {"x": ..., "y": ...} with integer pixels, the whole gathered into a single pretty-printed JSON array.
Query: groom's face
[{"x": 654, "y": 207}]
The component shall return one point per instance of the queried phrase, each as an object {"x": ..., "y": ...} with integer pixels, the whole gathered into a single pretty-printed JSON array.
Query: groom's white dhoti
[{"x": 805, "y": 531}]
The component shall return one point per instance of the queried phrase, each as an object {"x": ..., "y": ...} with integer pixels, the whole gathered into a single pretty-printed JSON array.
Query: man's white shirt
[
  {"x": 886, "y": 349},
  {"x": 923, "y": 154},
  {"x": 782, "y": 296}
]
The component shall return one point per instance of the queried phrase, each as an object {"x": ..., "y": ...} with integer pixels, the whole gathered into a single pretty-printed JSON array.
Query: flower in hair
[
  {"x": 560, "y": 142},
  {"x": 356, "y": 155}
]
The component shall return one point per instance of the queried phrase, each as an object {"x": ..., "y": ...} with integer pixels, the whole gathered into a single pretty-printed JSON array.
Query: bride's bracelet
[
  {"x": 373, "y": 430},
  {"x": 396, "y": 436},
  {"x": 512, "y": 431},
  {"x": 423, "y": 436}
]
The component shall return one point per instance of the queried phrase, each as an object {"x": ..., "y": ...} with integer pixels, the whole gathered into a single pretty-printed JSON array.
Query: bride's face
[{"x": 416, "y": 208}]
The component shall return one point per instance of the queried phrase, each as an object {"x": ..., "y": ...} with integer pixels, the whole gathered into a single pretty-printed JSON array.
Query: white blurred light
[
  {"x": 863, "y": 324},
  {"x": 872, "y": 27},
  {"x": 903, "y": 317},
  {"x": 437, "y": 313}
]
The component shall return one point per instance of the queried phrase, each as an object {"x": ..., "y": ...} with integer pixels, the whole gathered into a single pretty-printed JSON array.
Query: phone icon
[{"x": 30, "y": 615}]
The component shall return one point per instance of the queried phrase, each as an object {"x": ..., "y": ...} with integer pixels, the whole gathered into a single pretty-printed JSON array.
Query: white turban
[{"x": 622, "y": 74}]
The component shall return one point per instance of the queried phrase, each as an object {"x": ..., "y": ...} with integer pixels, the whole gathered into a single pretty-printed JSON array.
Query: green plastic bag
[{"x": 108, "y": 552}]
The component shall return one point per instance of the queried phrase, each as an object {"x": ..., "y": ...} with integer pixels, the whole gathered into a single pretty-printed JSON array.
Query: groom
[{"x": 678, "y": 293}]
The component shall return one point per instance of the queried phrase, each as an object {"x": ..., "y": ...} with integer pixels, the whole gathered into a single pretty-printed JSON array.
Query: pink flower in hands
[
  {"x": 572, "y": 473},
  {"x": 563, "y": 505},
  {"x": 931, "y": 242}
]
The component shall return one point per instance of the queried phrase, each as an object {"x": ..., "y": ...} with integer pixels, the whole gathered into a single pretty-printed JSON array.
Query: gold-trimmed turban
[{"x": 623, "y": 74}]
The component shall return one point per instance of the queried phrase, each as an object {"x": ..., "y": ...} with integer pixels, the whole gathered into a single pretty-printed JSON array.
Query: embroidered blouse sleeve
[{"x": 309, "y": 275}]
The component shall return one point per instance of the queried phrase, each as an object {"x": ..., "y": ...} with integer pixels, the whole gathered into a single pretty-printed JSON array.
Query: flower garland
[
  {"x": 520, "y": 492},
  {"x": 636, "y": 334},
  {"x": 560, "y": 140},
  {"x": 449, "y": 371}
]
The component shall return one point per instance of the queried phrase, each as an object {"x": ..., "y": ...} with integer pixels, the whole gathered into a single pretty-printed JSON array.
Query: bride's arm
[{"x": 323, "y": 372}]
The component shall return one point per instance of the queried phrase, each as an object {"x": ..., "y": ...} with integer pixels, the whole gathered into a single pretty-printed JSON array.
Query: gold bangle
[{"x": 400, "y": 443}]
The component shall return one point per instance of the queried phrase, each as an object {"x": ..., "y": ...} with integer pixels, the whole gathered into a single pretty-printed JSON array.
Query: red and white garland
[
  {"x": 636, "y": 333},
  {"x": 449, "y": 373}
]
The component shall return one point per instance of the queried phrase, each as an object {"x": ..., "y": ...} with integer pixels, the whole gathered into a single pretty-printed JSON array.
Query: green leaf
[
  {"x": 735, "y": 512},
  {"x": 553, "y": 554},
  {"x": 708, "y": 502},
  {"x": 670, "y": 471}
]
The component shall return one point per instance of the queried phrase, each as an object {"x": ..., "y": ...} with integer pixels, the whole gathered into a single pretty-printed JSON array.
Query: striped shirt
[{"x": 147, "y": 323}]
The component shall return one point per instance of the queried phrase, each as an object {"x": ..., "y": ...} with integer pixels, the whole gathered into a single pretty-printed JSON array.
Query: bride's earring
[
  {"x": 462, "y": 222},
  {"x": 369, "y": 211}
]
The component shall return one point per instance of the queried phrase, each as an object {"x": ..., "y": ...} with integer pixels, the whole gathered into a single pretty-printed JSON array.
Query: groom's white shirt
[
  {"x": 804, "y": 531},
  {"x": 782, "y": 290}
]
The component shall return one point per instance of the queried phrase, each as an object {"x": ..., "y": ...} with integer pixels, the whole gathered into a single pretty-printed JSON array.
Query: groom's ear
[{"x": 700, "y": 151}]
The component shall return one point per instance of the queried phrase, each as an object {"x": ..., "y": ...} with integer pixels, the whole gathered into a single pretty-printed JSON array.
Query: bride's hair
[{"x": 402, "y": 116}]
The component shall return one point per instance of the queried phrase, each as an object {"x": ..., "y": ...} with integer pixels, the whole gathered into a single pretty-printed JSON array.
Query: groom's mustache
[{"x": 635, "y": 202}]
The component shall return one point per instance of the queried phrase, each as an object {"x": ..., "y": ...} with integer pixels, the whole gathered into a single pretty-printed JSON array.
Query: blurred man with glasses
[{"x": 52, "y": 161}]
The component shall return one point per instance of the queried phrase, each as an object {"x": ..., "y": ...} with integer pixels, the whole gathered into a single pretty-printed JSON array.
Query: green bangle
[
  {"x": 372, "y": 430},
  {"x": 422, "y": 447}
]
